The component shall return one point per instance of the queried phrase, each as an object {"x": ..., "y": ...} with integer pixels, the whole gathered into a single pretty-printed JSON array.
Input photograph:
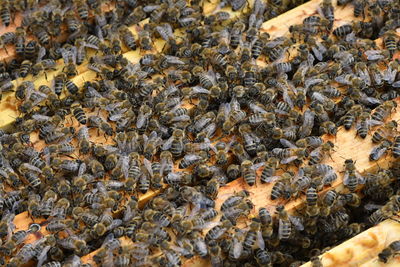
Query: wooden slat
[
  {"x": 277, "y": 27},
  {"x": 345, "y": 145},
  {"x": 362, "y": 249},
  {"x": 7, "y": 106}
]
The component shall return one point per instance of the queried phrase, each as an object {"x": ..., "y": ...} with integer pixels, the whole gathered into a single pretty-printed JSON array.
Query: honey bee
[
  {"x": 69, "y": 56},
  {"x": 286, "y": 222},
  {"x": 378, "y": 151},
  {"x": 100, "y": 124},
  {"x": 145, "y": 41},
  {"x": 248, "y": 171},
  {"x": 352, "y": 178},
  {"x": 389, "y": 251},
  {"x": 385, "y": 131},
  {"x": 317, "y": 155},
  {"x": 5, "y": 13}
]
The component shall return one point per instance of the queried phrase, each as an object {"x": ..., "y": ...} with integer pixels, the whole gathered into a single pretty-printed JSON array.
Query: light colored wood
[
  {"x": 362, "y": 250},
  {"x": 346, "y": 145},
  {"x": 279, "y": 25},
  {"x": 260, "y": 193}
]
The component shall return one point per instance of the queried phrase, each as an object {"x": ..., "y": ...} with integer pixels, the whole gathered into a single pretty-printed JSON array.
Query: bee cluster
[{"x": 222, "y": 100}]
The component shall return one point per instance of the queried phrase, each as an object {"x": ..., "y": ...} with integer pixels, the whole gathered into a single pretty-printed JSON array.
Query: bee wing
[
  {"x": 180, "y": 250},
  {"x": 346, "y": 178},
  {"x": 31, "y": 167},
  {"x": 286, "y": 96},
  {"x": 74, "y": 52},
  {"x": 42, "y": 257},
  {"x": 396, "y": 84},
  {"x": 287, "y": 143},
  {"x": 378, "y": 151},
  {"x": 140, "y": 120},
  {"x": 82, "y": 169},
  {"x": 208, "y": 225},
  {"x": 389, "y": 75},
  {"x": 372, "y": 123},
  {"x": 125, "y": 165},
  {"x": 213, "y": 148},
  {"x": 271, "y": 179},
  {"x": 39, "y": 97},
  {"x": 257, "y": 166},
  {"x": 288, "y": 160},
  {"x": 237, "y": 248},
  {"x": 99, "y": 33},
  {"x": 150, "y": 8},
  {"x": 128, "y": 214},
  {"x": 147, "y": 164},
  {"x": 260, "y": 240},
  {"x": 315, "y": 152},
  {"x": 181, "y": 118},
  {"x": 317, "y": 53},
  {"x": 101, "y": 187},
  {"x": 167, "y": 144},
  {"x": 372, "y": 206},
  {"x": 361, "y": 179},
  {"x": 229, "y": 145},
  {"x": 368, "y": 100},
  {"x": 153, "y": 136},
  {"x": 199, "y": 90},
  {"x": 41, "y": 54},
  {"x": 40, "y": 118},
  {"x": 174, "y": 60},
  {"x": 296, "y": 221},
  {"x": 118, "y": 116},
  {"x": 257, "y": 109}
]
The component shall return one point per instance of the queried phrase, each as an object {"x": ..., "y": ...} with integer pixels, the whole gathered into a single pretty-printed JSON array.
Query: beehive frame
[{"x": 361, "y": 250}]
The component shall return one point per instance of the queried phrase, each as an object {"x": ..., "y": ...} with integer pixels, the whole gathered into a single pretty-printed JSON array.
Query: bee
[
  {"x": 343, "y": 30},
  {"x": 389, "y": 39},
  {"x": 69, "y": 56},
  {"x": 82, "y": 8},
  {"x": 128, "y": 38},
  {"x": 385, "y": 131},
  {"x": 317, "y": 155},
  {"x": 25, "y": 68},
  {"x": 378, "y": 151},
  {"x": 287, "y": 155},
  {"x": 79, "y": 113},
  {"x": 389, "y": 251},
  {"x": 175, "y": 143},
  {"x": 285, "y": 223},
  {"x": 145, "y": 41},
  {"x": 350, "y": 117},
  {"x": 328, "y": 127},
  {"x": 312, "y": 208},
  {"x": 235, "y": 116},
  {"x": 248, "y": 171},
  {"x": 100, "y": 124},
  {"x": 351, "y": 177},
  {"x": 20, "y": 35},
  {"x": 383, "y": 110},
  {"x": 5, "y": 13},
  {"x": 363, "y": 124},
  {"x": 84, "y": 140},
  {"x": 41, "y": 34}
]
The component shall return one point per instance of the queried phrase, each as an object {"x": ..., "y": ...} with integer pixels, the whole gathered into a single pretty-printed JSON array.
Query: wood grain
[
  {"x": 346, "y": 144},
  {"x": 362, "y": 250}
]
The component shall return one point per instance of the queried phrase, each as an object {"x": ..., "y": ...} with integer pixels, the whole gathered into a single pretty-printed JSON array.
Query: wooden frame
[{"x": 361, "y": 249}]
